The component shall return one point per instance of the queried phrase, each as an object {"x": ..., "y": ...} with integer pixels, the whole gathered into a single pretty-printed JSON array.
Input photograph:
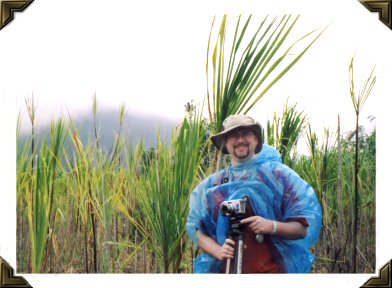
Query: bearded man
[{"x": 286, "y": 211}]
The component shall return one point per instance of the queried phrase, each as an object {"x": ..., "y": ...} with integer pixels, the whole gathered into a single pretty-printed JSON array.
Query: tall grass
[
  {"x": 163, "y": 192},
  {"x": 284, "y": 132},
  {"x": 23, "y": 164},
  {"x": 40, "y": 194},
  {"x": 244, "y": 71},
  {"x": 358, "y": 101},
  {"x": 330, "y": 171}
]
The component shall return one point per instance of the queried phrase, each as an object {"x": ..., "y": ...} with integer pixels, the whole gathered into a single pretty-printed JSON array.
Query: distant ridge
[{"x": 135, "y": 127}]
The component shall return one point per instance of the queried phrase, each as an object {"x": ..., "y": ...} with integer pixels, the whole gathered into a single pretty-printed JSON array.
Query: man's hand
[
  {"x": 259, "y": 225},
  {"x": 290, "y": 230},
  {"x": 227, "y": 250}
]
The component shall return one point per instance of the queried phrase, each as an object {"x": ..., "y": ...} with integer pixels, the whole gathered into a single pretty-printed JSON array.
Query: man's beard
[{"x": 242, "y": 155}]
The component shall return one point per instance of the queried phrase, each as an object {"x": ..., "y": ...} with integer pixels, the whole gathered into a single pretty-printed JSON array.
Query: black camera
[{"x": 232, "y": 208}]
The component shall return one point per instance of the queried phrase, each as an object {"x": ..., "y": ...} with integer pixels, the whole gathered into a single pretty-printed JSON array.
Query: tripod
[{"x": 236, "y": 233}]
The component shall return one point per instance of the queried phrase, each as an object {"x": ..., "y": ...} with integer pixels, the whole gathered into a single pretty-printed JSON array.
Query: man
[{"x": 286, "y": 209}]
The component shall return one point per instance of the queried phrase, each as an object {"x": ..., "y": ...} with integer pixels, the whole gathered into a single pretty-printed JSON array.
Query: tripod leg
[
  {"x": 227, "y": 266},
  {"x": 228, "y": 261},
  {"x": 239, "y": 254}
]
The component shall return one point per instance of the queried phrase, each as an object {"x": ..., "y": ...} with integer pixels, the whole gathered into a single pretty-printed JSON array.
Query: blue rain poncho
[{"x": 276, "y": 192}]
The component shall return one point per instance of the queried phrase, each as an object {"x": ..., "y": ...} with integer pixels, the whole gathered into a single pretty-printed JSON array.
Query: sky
[
  {"x": 155, "y": 62},
  {"x": 150, "y": 55}
]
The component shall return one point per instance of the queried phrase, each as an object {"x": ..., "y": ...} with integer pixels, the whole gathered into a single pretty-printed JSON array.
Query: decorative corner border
[
  {"x": 384, "y": 9},
  {"x": 7, "y": 278},
  {"x": 7, "y": 9},
  {"x": 384, "y": 278}
]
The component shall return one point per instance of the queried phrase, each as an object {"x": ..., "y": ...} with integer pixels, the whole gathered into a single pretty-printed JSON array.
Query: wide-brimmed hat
[{"x": 235, "y": 121}]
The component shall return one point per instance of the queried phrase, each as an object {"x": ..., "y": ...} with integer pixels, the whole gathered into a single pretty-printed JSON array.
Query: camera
[{"x": 235, "y": 207}]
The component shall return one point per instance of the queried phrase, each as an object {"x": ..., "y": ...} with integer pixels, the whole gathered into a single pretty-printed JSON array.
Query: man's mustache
[{"x": 241, "y": 145}]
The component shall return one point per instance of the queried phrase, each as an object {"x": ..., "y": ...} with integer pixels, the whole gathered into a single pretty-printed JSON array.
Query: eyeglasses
[{"x": 235, "y": 135}]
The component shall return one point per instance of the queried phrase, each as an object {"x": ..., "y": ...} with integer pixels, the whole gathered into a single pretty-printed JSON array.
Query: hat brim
[{"x": 218, "y": 139}]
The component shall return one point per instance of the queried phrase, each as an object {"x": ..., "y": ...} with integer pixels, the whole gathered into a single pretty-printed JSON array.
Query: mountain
[{"x": 136, "y": 126}]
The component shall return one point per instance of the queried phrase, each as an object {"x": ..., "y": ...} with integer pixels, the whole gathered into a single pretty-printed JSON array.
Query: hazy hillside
[{"x": 134, "y": 128}]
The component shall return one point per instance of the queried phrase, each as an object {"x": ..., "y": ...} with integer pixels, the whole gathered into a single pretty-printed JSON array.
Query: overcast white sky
[{"x": 151, "y": 56}]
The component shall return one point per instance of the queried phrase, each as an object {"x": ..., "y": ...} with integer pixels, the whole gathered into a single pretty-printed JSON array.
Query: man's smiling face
[{"x": 241, "y": 144}]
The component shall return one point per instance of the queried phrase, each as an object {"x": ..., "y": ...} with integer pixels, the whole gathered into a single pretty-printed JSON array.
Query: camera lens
[{"x": 228, "y": 208}]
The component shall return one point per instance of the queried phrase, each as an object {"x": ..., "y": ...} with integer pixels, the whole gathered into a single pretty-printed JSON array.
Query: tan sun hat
[{"x": 232, "y": 122}]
